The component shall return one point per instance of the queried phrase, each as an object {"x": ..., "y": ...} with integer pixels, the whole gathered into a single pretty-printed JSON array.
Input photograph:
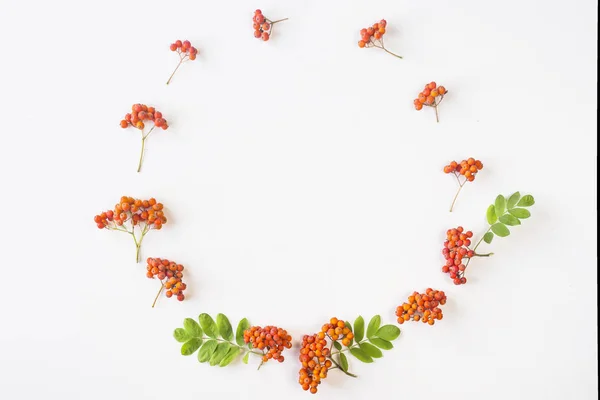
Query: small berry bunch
[
  {"x": 170, "y": 275},
  {"x": 315, "y": 365},
  {"x": 263, "y": 27},
  {"x": 141, "y": 113},
  {"x": 185, "y": 50},
  {"x": 422, "y": 307},
  {"x": 431, "y": 96},
  {"x": 456, "y": 247},
  {"x": 271, "y": 340},
  {"x": 140, "y": 215},
  {"x": 373, "y": 37},
  {"x": 467, "y": 168}
]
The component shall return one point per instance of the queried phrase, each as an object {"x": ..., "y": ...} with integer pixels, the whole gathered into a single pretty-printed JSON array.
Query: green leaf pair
[
  {"x": 214, "y": 339},
  {"x": 378, "y": 338},
  {"x": 504, "y": 213}
]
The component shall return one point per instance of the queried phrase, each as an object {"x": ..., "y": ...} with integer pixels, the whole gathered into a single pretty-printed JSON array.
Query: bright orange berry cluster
[
  {"x": 467, "y": 168},
  {"x": 138, "y": 212},
  {"x": 373, "y": 37},
  {"x": 431, "y": 96},
  {"x": 422, "y": 307},
  {"x": 314, "y": 353},
  {"x": 456, "y": 248},
  {"x": 263, "y": 26},
  {"x": 169, "y": 272},
  {"x": 139, "y": 114},
  {"x": 185, "y": 50},
  {"x": 271, "y": 340}
]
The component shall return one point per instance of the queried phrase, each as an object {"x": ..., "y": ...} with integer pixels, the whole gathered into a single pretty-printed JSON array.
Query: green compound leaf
[
  {"x": 219, "y": 354},
  {"x": 337, "y": 345},
  {"x": 500, "y": 205},
  {"x": 192, "y": 328},
  {"x": 181, "y": 335},
  {"x": 388, "y": 332},
  {"x": 234, "y": 351},
  {"x": 520, "y": 213},
  {"x": 359, "y": 328},
  {"x": 512, "y": 200},
  {"x": 373, "y": 326},
  {"x": 500, "y": 230},
  {"x": 245, "y": 359},
  {"x": 382, "y": 344},
  {"x": 224, "y": 327},
  {"x": 208, "y": 325},
  {"x": 526, "y": 201},
  {"x": 190, "y": 347},
  {"x": 361, "y": 355},
  {"x": 491, "y": 215},
  {"x": 207, "y": 350},
  {"x": 371, "y": 350},
  {"x": 243, "y": 325},
  {"x": 508, "y": 219},
  {"x": 488, "y": 237},
  {"x": 343, "y": 361}
]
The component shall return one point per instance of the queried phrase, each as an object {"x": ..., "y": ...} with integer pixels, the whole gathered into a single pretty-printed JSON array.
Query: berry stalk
[
  {"x": 139, "y": 168},
  {"x": 175, "y": 70},
  {"x": 162, "y": 286}
]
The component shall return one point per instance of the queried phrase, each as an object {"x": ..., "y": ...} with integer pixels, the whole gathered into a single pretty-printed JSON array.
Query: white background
[{"x": 300, "y": 184}]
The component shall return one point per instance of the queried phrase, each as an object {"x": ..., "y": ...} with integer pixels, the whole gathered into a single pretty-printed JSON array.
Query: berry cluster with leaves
[
  {"x": 422, "y": 307},
  {"x": 170, "y": 275},
  {"x": 326, "y": 350},
  {"x": 372, "y": 37},
  {"x": 271, "y": 340},
  {"x": 431, "y": 96},
  {"x": 500, "y": 215},
  {"x": 185, "y": 51},
  {"x": 263, "y": 27},
  {"x": 135, "y": 217},
  {"x": 139, "y": 114},
  {"x": 214, "y": 340},
  {"x": 467, "y": 169}
]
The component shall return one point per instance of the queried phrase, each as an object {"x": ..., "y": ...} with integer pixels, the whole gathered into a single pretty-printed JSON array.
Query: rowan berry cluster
[
  {"x": 142, "y": 214},
  {"x": 373, "y": 37},
  {"x": 271, "y": 340},
  {"x": 139, "y": 116},
  {"x": 422, "y": 307},
  {"x": 315, "y": 355},
  {"x": 170, "y": 275},
  {"x": 431, "y": 96},
  {"x": 185, "y": 50},
  {"x": 467, "y": 168},
  {"x": 456, "y": 248},
  {"x": 263, "y": 27}
]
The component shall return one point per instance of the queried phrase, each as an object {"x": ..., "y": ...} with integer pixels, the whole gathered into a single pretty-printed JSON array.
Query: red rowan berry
[
  {"x": 185, "y": 51},
  {"x": 455, "y": 250},
  {"x": 467, "y": 168},
  {"x": 271, "y": 340},
  {"x": 263, "y": 27},
  {"x": 428, "y": 312},
  {"x": 432, "y": 96},
  {"x": 372, "y": 37}
]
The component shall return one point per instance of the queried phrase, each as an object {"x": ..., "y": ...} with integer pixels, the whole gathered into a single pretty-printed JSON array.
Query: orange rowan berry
[
  {"x": 432, "y": 96},
  {"x": 373, "y": 37},
  {"x": 467, "y": 168},
  {"x": 185, "y": 50},
  {"x": 423, "y": 312},
  {"x": 263, "y": 27}
]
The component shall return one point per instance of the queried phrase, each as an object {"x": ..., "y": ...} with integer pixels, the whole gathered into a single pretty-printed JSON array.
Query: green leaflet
[
  {"x": 510, "y": 220},
  {"x": 500, "y": 205},
  {"x": 491, "y": 215},
  {"x": 520, "y": 213},
  {"x": 343, "y": 361},
  {"x": 243, "y": 325},
  {"x": 337, "y": 345},
  {"x": 388, "y": 332},
  {"x": 208, "y": 325},
  {"x": 245, "y": 359},
  {"x": 488, "y": 237},
  {"x": 230, "y": 356},
  {"x": 373, "y": 326},
  {"x": 359, "y": 328},
  {"x": 500, "y": 229},
  {"x": 189, "y": 347},
  {"x": 220, "y": 352},
  {"x": 192, "y": 327},
  {"x": 371, "y": 350},
  {"x": 181, "y": 335},
  {"x": 207, "y": 350},
  {"x": 361, "y": 355},
  {"x": 382, "y": 344},
  {"x": 526, "y": 201},
  {"x": 224, "y": 327},
  {"x": 512, "y": 200}
]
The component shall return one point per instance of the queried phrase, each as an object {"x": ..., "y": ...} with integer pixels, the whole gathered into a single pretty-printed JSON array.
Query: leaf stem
[
  {"x": 162, "y": 286},
  {"x": 341, "y": 369},
  {"x": 483, "y": 255}
]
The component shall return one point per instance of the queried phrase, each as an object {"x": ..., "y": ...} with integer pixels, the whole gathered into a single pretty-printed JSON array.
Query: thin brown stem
[
  {"x": 176, "y": 68},
  {"x": 162, "y": 286},
  {"x": 142, "y": 153},
  {"x": 483, "y": 255},
  {"x": 341, "y": 369},
  {"x": 437, "y": 117},
  {"x": 456, "y": 196},
  {"x": 279, "y": 20}
]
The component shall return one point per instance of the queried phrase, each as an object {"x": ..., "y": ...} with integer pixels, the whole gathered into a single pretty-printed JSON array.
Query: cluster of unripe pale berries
[
  {"x": 185, "y": 50},
  {"x": 431, "y": 96},
  {"x": 263, "y": 26},
  {"x": 271, "y": 340},
  {"x": 148, "y": 212},
  {"x": 373, "y": 37},
  {"x": 422, "y": 307},
  {"x": 171, "y": 272},
  {"x": 456, "y": 248},
  {"x": 314, "y": 353}
]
